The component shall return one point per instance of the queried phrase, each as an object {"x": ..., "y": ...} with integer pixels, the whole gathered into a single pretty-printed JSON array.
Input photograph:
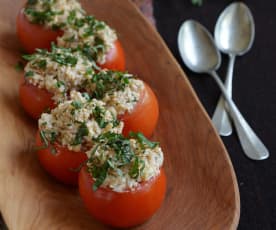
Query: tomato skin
[
  {"x": 125, "y": 209},
  {"x": 115, "y": 59},
  {"x": 60, "y": 164},
  {"x": 145, "y": 115},
  {"x": 33, "y": 36},
  {"x": 35, "y": 100}
]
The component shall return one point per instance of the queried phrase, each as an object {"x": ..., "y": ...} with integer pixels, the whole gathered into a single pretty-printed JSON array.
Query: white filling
[
  {"x": 118, "y": 179},
  {"x": 125, "y": 100},
  {"x": 65, "y": 120},
  {"x": 107, "y": 35},
  {"x": 56, "y": 78},
  {"x": 74, "y": 36}
]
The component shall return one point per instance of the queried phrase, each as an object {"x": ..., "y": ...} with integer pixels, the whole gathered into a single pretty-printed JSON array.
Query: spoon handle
[
  {"x": 251, "y": 144},
  {"x": 221, "y": 118}
]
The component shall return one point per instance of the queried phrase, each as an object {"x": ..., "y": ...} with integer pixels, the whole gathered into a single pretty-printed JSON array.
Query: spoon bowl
[
  {"x": 196, "y": 48},
  {"x": 235, "y": 29}
]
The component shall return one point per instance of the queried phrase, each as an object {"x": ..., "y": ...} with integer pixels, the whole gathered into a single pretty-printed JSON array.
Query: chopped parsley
[
  {"x": 82, "y": 132},
  {"x": 29, "y": 57},
  {"x": 77, "y": 104},
  {"x": 109, "y": 82},
  {"x": 144, "y": 142},
  {"x": 92, "y": 52},
  {"x": 43, "y": 138},
  {"x": 99, "y": 114},
  {"x": 47, "y": 143},
  {"x": 60, "y": 83},
  {"x": 86, "y": 96},
  {"x": 63, "y": 56},
  {"x": 29, "y": 74},
  {"x": 44, "y": 14},
  {"x": 40, "y": 17},
  {"x": 71, "y": 17},
  {"x": 137, "y": 167},
  {"x": 100, "y": 173},
  {"x": 124, "y": 155},
  {"x": 41, "y": 64},
  {"x": 70, "y": 39}
]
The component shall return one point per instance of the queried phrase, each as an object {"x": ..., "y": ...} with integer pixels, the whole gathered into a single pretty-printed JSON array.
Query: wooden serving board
[{"x": 202, "y": 191}]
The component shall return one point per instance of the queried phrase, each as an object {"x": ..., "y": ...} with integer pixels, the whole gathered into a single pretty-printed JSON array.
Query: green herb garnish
[
  {"x": 41, "y": 64},
  {"x": 60, "y": 83},
  {"x": 43, "y": 138},
  {"x": 143, "y": 140},
  {"x": 76, "y": 104},
  {"x": 58, "y": 26},
  {"x": 82, "y": 132},
  {"x": 46, "y": 143},
  {"x": 40, "y": 17},
  {"x": 65, "y": 58},
  {"x": 70, "y": 39},
  {"x": 29, "y": 74},
  {"x": 109, "y": 82},
  {"x": 120, "y": 145},
  {"x": 29, "y": 57},
  {"x": 99, "y": 114},
  {"x": 53, "y": 137},
  {"x": 100, "y": 173},
  {"x": 123, "y": 156},
  {"x": 71, "y": 17},
  {"x": 86, "y": 96},
  {"x": 137, "y": 167}
]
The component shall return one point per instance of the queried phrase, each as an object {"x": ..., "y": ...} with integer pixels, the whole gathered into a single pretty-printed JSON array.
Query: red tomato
[
  {"x": 115, "y": 59},
  {"x": 145, "y": 115},
  {"x": 62, "y": 164},
  {"x": 125, "y": 209},
  {"x": 35, "y": 100},
  {"x": 32, "y": 36}
]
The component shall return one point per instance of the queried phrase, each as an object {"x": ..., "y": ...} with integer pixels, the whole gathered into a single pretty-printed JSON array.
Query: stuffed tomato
[
  {"x": 123, "y": 183},
  {"x": 50, "y": 76},
  {"x": 68, "y": 131},
  {"x": 133, "y": 100},
  {"x": 65, "y": 22}
]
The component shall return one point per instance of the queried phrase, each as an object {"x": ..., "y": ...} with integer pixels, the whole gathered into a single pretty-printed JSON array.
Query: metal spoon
[
  {"x": 234, "y": 35},
  {"x": 200, "y": 54}
]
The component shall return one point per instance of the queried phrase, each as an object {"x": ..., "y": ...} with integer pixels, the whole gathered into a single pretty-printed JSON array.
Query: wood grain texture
[{"x": 202, "y": 190}]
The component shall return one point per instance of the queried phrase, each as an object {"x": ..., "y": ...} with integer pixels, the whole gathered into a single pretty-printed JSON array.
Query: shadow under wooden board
[{"x": 202, "y": 190}]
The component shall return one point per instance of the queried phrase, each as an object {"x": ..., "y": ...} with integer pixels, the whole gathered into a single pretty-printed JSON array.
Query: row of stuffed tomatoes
[
  {"x": 117, "y": 209},
  {"x": 36, "y": 100}
]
